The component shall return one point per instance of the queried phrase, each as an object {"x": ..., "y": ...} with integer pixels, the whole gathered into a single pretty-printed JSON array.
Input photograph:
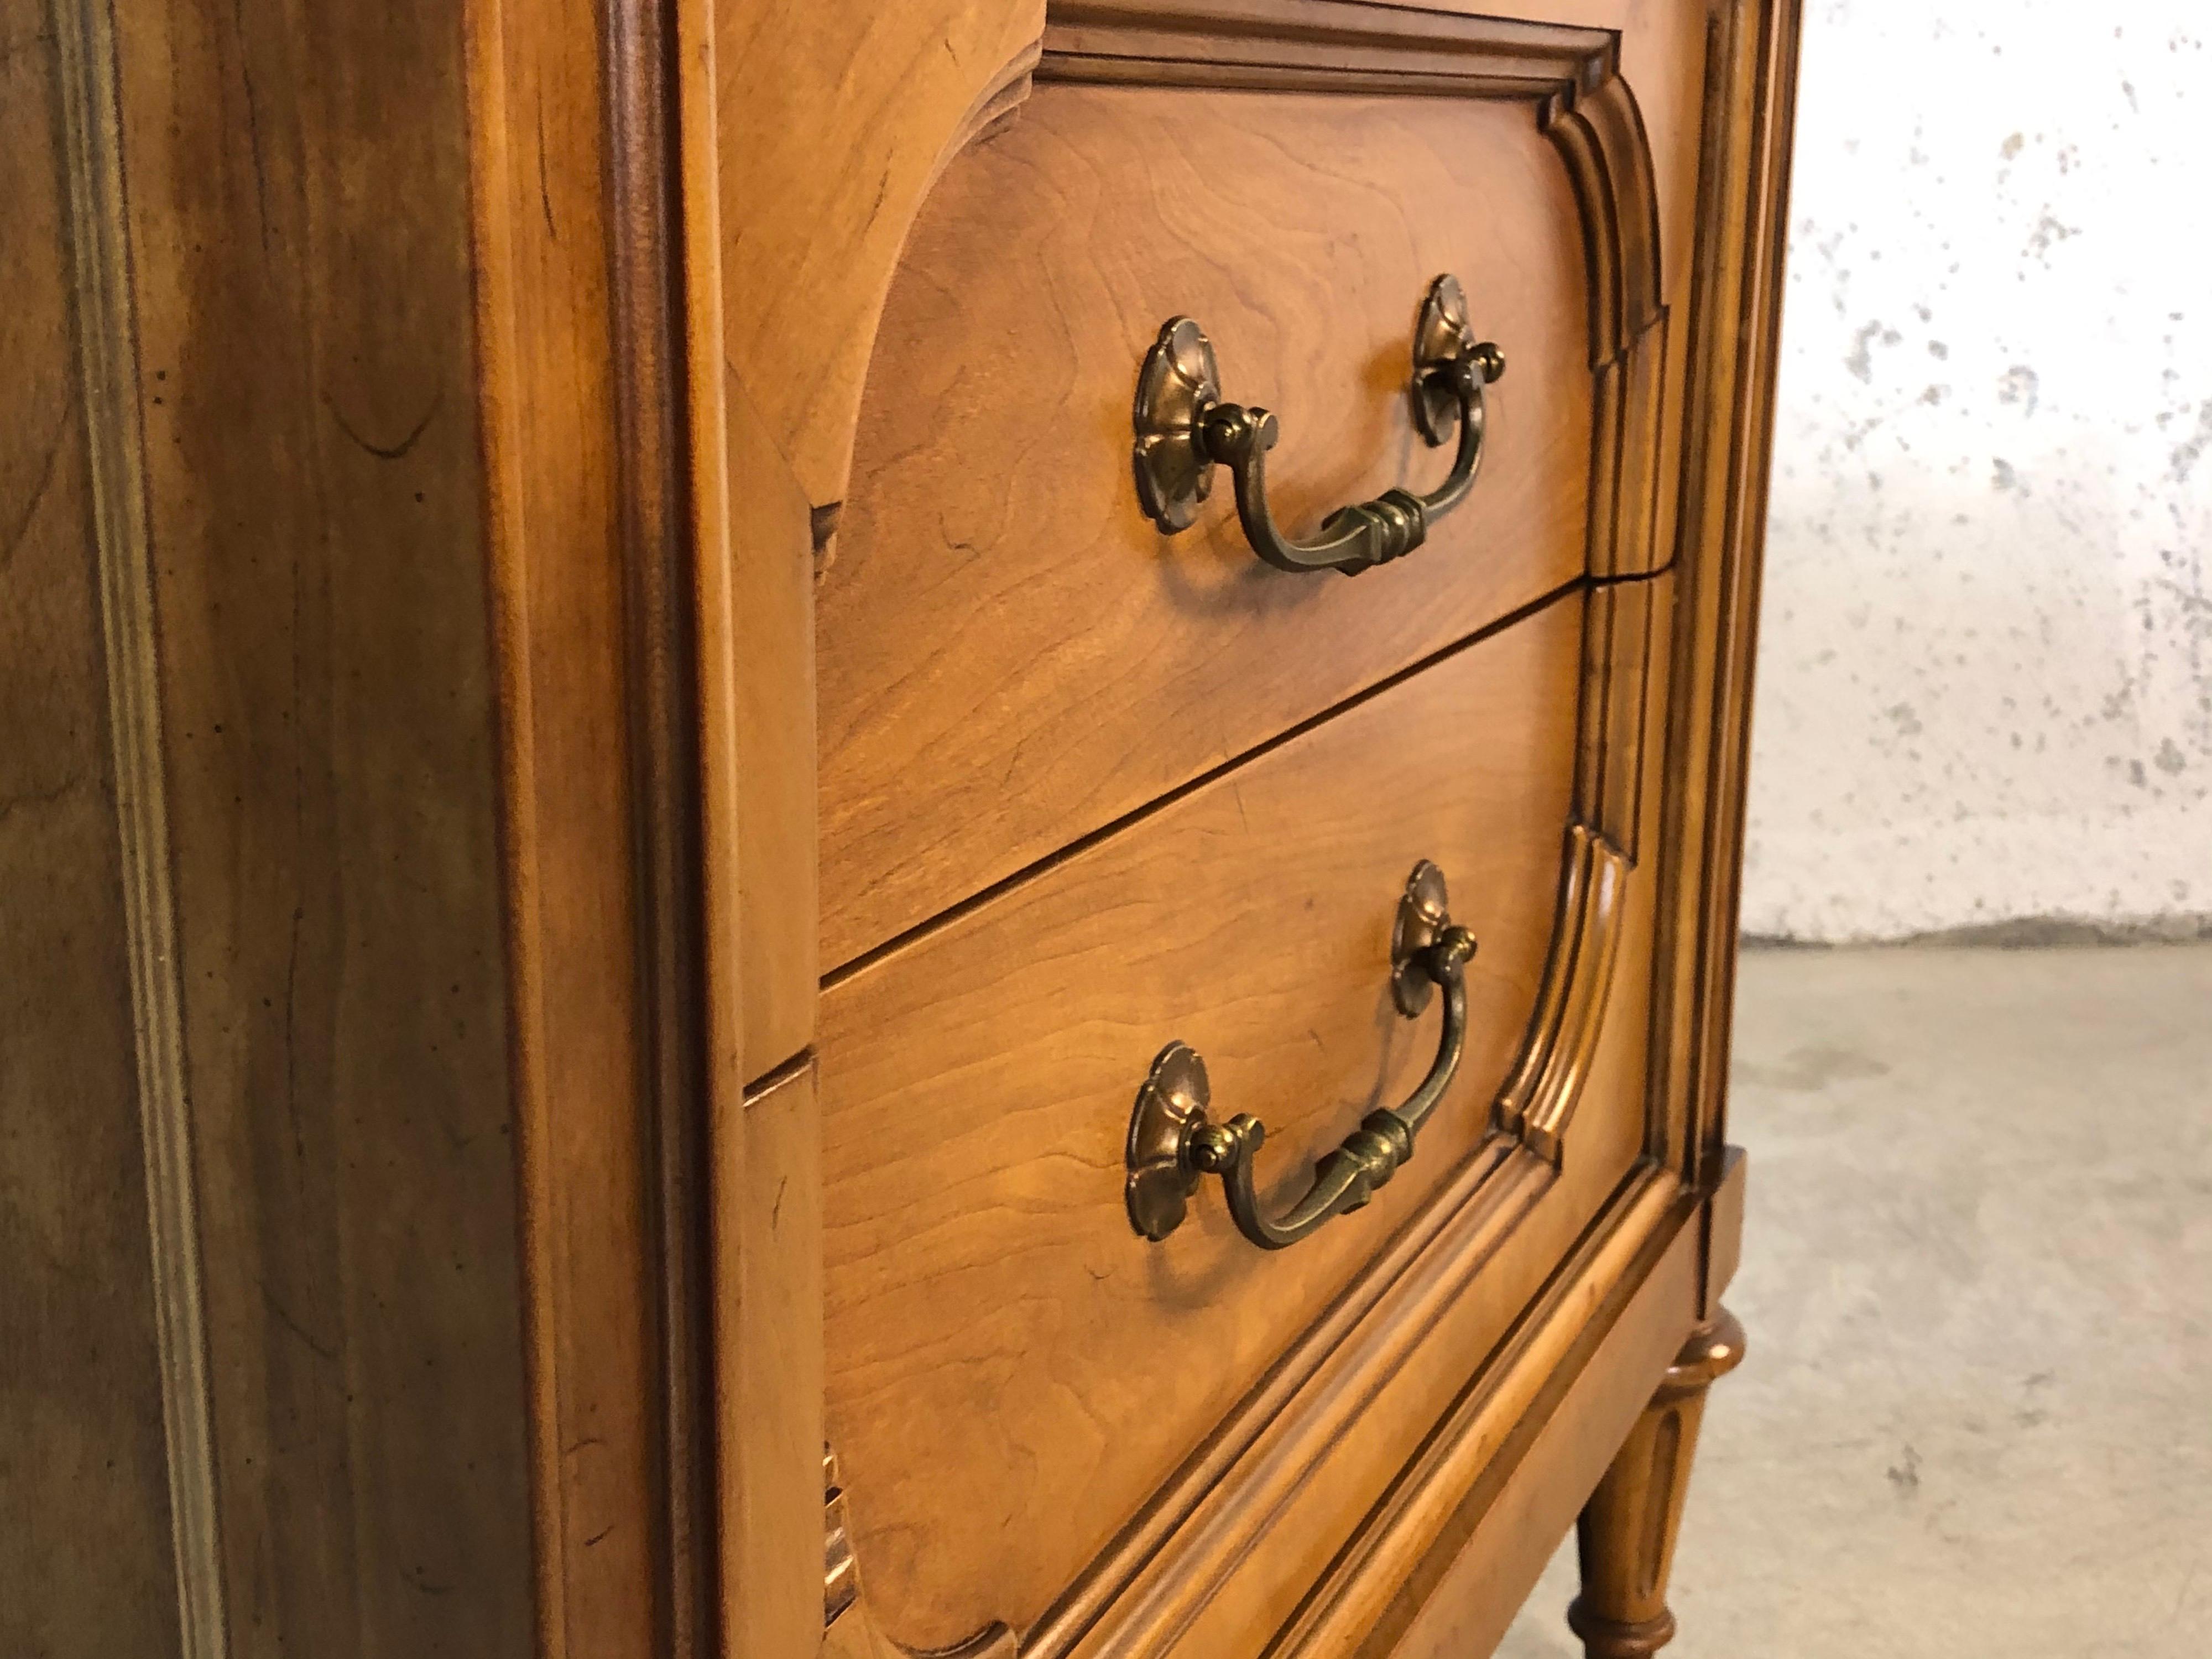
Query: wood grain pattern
[
  {"x": 1636, "y": 505},
  {"x": 1304, "y": 1492},
  {"x": 1609, "y": 791},
  {"x": 759, "y": 640},
  {"x": 1602, "y": 139},
  {"x": 976, "y": 1090},
  {"x": 1626, "y": 340},
  {"x": 495, "y": 375},
  {"x": 1009, "y": 654},
  {"x": 344, "y": 284},
  {"x": 768, "y": 1323},
  {"x": 314, "y": 503},
  {"x": 110, "y": 375},
  {"x": 1633, "y": 505},
  {"x": 1487, "y": 1551},
  {"x": 557, "y": 597},
  {"x": 597, "y": 524},
  {"x": 90, "y": 1558},
  {"x": 1540, "y": 1095},
  {"x": 1627, "y": 1530},
  {"x": 1387, "y": 1573},
  {"x": 1742, "y": 220},
  {"x": 834, "y": 121},
  {"x": 1633, "y": 502},
  {"x": 662, "y": 533},
  {"x": 844, "y": 115},
  {"x": 1446, "y": 48},
  {"x": 969, "y": 724}
]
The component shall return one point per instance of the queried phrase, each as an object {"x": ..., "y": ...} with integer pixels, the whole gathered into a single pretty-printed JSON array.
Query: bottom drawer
[{"x": 1012, "y": 1371}]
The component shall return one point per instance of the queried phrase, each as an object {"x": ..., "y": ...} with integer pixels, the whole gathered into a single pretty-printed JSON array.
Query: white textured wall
[{"x": 1985, "y": 665}]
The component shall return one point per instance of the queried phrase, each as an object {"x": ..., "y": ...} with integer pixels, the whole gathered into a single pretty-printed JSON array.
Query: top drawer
[{"x": 1010, "y": 653}]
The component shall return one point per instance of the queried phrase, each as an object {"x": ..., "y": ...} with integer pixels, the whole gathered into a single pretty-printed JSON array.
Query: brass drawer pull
[
  {"x": 1184, "y": 430},
  {"x": 1174, "y": 1143}
]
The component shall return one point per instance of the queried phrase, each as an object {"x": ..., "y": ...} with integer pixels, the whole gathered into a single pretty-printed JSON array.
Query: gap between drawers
[{"x": 854, "y": 966}]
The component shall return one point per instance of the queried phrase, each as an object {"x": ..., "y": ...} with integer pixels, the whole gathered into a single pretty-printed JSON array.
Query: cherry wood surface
[
  {"x": 1009, "y": 654},
  {"x": 450, "y": 1205},
  {"x": 1259, "y": 1522},
  {"x": 976, "y": 1087},
  {"x": 1477, "y": 1553},
  {"x": 768, "y": 1315},
  {"x": 839, "y": 118}
]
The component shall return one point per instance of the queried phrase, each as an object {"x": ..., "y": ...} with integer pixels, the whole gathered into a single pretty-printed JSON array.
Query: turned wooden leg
[{"x": 1626, "y": 1532}]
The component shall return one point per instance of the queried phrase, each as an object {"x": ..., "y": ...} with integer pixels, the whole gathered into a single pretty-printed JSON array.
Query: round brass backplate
[
  {"x": 1170, "y": 1105},
  {"x": 1179, "y": 382},
  {"x": 1441, "y": 336},
  {"x": 1422, "y": 912}
]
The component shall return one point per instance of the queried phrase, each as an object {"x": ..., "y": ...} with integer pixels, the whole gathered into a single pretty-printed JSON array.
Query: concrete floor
[{"x": 1976, "y": 1418}]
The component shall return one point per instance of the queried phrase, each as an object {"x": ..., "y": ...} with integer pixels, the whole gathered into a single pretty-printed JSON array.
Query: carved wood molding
[
  {"x": 1374, "y": 1590},
  {"x": 1208, "y": 1517},
  {"x": 1602, "y": 138},
  {"x": 1570, "y": 77},
  {"x": 1734, "y": 318},
  {"x": 1330, "y": 46},
  {"x": 594, "y": 283},
  {"x": 108, "y": 363},
  {"x": 1541, "y": 1091}
]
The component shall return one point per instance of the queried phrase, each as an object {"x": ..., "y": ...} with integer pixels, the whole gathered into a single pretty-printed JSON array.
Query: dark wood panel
[
  {"x": 85, "y": 1558},
  {"x": 299, "y": 233}
]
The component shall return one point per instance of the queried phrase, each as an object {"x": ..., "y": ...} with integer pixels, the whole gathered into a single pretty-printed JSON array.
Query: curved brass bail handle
[
  {"x": 1174, "y": 1142},
  {"x": 1184, "y": 429}
]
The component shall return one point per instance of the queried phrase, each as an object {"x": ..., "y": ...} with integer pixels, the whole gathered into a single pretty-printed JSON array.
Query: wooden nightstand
[{"x": 921, "y": 822}]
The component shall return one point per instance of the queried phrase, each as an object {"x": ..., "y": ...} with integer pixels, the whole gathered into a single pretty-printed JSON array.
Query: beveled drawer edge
[
  {"x": 1270, "y": 1439},
  {"x": 1211, "y": 1516},
  {"x": 1469, "y": 1452},
  {"x": 1183, "y": 1544}
]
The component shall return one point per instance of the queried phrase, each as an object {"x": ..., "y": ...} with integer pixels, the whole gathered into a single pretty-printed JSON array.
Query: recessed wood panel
[
  {"x": 1006, "y": 1358},
  {"x": 1009, "y": 654}
]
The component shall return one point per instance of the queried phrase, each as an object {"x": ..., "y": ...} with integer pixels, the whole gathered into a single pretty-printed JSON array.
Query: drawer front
[
  {"x": 1011, "y": 1368},
  {"x": 1011, "y": 654}
]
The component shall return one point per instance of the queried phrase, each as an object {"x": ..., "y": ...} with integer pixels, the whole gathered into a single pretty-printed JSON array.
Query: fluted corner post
[{"x": 1627, "y": 1530}]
